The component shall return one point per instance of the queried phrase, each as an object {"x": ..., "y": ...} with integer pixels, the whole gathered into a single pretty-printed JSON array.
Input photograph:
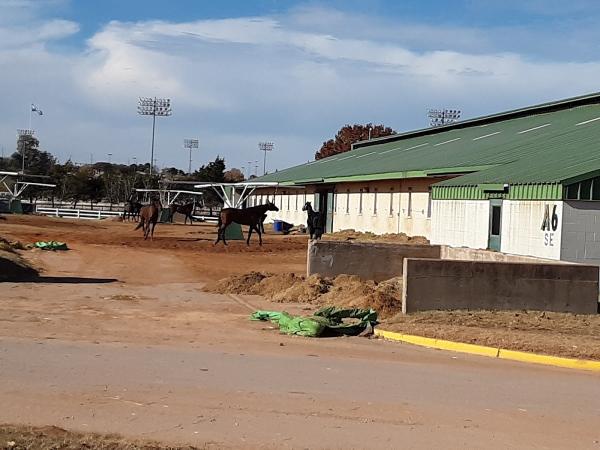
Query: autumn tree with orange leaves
[{"x": 348, "y": 135}]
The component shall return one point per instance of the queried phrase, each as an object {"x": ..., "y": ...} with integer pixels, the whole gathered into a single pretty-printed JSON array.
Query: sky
[{"x": 290, "y": 72}]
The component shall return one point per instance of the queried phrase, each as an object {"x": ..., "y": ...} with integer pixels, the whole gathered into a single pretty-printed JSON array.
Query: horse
[
  {"x": 314, "y": 221},
  {"x": 186, "y": 210},
  {"x": 252, "y": 217},
  {"x": 131, "y": 210},
  {"x": 148, "y": 218}
]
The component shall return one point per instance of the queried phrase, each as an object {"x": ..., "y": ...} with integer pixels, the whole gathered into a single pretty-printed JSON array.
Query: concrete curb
[{"x": 492, "y": 352}]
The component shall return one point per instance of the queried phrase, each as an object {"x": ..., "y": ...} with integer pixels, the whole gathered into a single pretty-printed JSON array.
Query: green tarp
[
  {"x": 50, "y": 245},
  {"x": 326, "y": 321}
]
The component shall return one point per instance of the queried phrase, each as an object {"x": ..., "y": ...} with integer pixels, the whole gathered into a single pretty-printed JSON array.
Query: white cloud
[{"x": 236, "y": 81}]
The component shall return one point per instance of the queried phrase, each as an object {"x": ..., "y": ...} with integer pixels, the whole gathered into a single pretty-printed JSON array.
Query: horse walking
[
  {"x": 131, "y": 210},
  {"x": 253, "y": 217},
  {"x": 315, "y": 221},
  {"x": 186, "y": 210},
  {"x": 148, "y": 217}
]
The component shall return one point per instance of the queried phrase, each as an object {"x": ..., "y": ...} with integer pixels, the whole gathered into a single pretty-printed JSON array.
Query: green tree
[
  {"x": 37, "y": 162},
  {"x": 348, "y": 135},
  {"x": 212, "y": 172}
]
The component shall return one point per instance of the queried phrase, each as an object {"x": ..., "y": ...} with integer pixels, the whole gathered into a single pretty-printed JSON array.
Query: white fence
[
  {"x": 81, "y": 205},
  {"x": 71, "y": 213}
]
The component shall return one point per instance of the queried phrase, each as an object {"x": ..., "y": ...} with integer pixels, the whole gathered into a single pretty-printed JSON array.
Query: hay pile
[
  {"x": 359, "y": 236},
  {"x": 344, "y": 290}
]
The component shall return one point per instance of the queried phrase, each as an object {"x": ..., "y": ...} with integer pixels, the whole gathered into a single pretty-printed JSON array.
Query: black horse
[
  {"x": 253, "y": 217},
  {"x": 186, "y": 210},
  {"x": 315, "y": 221},
  {"x": 132, "y": 210}
]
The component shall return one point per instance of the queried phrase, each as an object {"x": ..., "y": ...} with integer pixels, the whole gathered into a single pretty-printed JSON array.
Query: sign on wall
[{"x": 549, "y": 225}]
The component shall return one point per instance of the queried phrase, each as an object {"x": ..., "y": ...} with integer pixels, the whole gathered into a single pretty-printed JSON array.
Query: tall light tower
[
  {"x": 265, "y": 147},
  {"x": 161, "y": 107},
  {"x": 190, "y": 144},
  {"x": 21, "y": 134},
  {"x": 439, "y": 117}
]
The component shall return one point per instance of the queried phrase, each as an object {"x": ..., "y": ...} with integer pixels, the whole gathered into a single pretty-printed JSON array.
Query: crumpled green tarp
[
  {"x": 325, "y": 321},
  {"x": 50, "y": 245}
]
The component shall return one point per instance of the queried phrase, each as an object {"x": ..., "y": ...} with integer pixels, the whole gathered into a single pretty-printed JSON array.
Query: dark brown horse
[
  {"x": 186, "y": 210},
  {"x": 131, "y": 210},
  {"x": 148, "y": 217},
  {"x": 253, "y": 217}
]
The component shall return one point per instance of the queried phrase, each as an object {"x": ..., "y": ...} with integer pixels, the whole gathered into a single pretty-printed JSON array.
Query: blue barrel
[{"x": 277, "y": 226}]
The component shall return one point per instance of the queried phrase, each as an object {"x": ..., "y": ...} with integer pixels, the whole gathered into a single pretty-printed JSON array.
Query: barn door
[
  {"x": 495, "y": 224},
  {"x": 329, "y": 219}
]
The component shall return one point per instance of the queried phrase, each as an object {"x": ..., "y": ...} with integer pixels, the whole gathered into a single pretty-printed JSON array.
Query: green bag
[{"x": 325, "y": 321}]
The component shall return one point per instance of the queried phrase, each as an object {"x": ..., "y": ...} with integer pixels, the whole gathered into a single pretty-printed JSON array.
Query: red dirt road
[{"x": 119, "y": 338}]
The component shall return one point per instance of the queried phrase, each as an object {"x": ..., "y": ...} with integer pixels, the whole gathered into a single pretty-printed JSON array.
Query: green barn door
[{"x": 495, "y": 224}]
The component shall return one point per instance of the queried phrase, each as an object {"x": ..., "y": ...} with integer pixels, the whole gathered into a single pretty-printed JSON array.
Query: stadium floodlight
[
  {"x": 439, "y": 117},
  {"x": 190, "y": 144},
  {"x": 21, "y": 132},
  {"x": 148, "y": 106},
  {"x": 265, "y": 147}
]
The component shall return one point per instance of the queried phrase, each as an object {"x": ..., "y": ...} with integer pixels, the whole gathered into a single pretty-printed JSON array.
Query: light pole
[
  {"x": 109, "y": 158},
  {"x": 134, "y": 160},
  {"x": 255, "y": 168},
  {"x": 265, "y": 147},
  {"x": 190, "y": 144},
  {"x": 21, "y": 135},
  {"x": 154, "y": 107}
]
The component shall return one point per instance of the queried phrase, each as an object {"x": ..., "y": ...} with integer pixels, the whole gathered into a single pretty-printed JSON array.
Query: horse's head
[
  {"x": 307, "y": 207},
  {"x": 271, "y": 207},
  {"x": 156, "y": 203}
]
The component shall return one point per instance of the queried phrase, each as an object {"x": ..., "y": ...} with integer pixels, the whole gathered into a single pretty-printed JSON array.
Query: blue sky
[{"x": 292, "y": 72}]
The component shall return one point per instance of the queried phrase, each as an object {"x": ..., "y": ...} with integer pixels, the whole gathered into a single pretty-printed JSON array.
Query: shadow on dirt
[{"x": 64, "y": 280}]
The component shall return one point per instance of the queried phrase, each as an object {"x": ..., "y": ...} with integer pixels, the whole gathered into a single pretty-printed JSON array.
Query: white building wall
[
  {"x": 460, "y": 223},
  {"x": 581, "y": 232},
  {"x": 522, "y": 234},
  {"x": 376, "y": 216}
]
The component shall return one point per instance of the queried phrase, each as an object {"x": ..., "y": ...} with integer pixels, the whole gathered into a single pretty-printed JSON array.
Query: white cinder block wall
[
  {"x": 377, "y": 207},
  {"x": 522, "y": 234},
  {"x": 460, "y": 223},
  {"x": 581, "y": 232}
]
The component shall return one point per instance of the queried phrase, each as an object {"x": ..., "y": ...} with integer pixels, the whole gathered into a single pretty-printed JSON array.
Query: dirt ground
[
  {"x": 559, "y": 334},
  {"x": 571, "y": 335},
  {"x": 118, "y": 334},
  {"x": 346, "y": 291}
]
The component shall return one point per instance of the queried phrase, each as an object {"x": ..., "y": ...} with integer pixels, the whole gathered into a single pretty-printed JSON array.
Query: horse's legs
[
  {"x": 259, "y": 236},
  {"x": 152, "y": 232},
  {"x": 223, "y": 233},
  {"x": 249, "y": 234}
]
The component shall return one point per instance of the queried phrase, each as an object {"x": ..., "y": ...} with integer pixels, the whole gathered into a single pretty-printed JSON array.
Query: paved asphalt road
[{"x": 403, "y": 397}]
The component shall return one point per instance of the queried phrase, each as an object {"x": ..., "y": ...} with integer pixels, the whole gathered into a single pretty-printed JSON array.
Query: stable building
[{"x": 525, "y": 182}]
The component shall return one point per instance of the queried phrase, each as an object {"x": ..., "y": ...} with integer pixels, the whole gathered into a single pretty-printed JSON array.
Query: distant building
[{"x": 525, "y": 182}]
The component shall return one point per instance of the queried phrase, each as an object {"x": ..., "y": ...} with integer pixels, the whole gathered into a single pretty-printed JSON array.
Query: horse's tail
[
  {"x": 140, "y": 224},
  {"x": 219, "y": 222}
]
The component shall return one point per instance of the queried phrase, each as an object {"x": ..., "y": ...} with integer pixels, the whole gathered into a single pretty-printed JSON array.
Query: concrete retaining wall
[
  {"x": 369, "y": 261},
  {"x": 431, "y": 284},
  {"x": 474, "y": 254}
]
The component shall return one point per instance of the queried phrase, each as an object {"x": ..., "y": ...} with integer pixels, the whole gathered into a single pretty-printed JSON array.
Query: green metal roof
[{"x": 552, "y": 142}]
